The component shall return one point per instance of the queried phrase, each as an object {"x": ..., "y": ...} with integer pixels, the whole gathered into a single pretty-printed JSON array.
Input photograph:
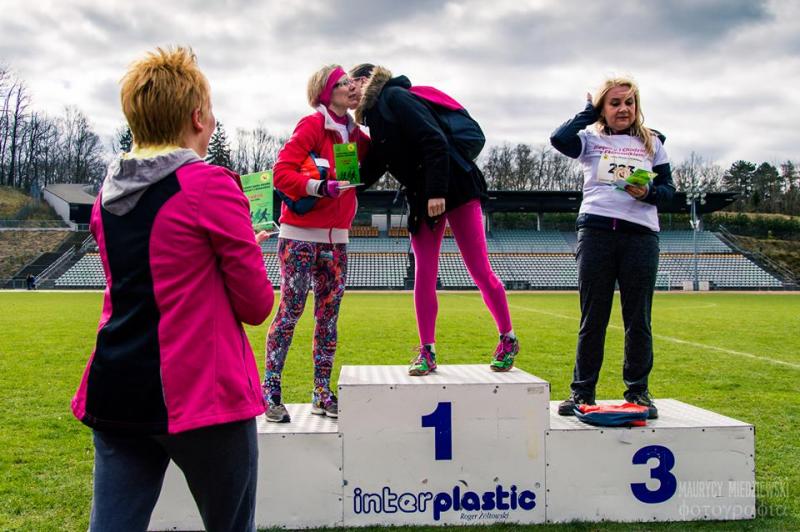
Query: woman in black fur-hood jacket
[{"x": 408, "y": 142}]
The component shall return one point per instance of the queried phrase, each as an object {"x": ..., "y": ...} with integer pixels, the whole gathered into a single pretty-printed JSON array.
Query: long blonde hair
[{"x": 638, "y": 129}]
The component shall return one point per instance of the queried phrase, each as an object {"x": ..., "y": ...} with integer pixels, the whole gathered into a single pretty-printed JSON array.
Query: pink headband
[{"x": 333, "y": 79}]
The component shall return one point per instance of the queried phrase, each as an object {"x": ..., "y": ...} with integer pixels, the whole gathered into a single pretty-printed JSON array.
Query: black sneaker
[
  {"x": 277, "y": 414},
  {"x": 326, "y": 406},
  {"x": 643, "y": 399},
  {"x": 567, "y": 408}
]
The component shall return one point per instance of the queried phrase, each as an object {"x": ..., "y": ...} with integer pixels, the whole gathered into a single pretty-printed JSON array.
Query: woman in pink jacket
[{"x": 172, "y": 375}]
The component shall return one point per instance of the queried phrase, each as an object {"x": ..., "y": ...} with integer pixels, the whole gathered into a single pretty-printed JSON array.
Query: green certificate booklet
[
  {"x": 258, "y": 189},
  {"x": 346, "y": 159},
  {"x": 639, "y": 177}
]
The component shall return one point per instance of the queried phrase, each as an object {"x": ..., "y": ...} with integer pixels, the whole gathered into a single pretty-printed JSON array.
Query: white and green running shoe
[
  {"x": 424, "y": 363},
  {"x": 507, "y": 349}
]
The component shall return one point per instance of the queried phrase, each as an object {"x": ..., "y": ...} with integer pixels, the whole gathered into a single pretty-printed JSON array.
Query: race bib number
[{"x": 611, "y": 169}]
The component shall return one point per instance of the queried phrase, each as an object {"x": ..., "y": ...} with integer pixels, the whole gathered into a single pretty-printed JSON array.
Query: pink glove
[{"x": 329, "y": 188}]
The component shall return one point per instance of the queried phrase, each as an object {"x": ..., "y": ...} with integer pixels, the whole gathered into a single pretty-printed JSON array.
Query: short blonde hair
[
  {"x": 159, "y": 93},
  {"x": 638, "y": 128},
  {"x": 316, "y": 83}
]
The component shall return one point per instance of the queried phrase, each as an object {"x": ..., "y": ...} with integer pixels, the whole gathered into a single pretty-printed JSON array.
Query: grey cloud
[
  {"x": 496, "y": 63},
  {"x": 106, "y": 93},
  {"x": 617, "y": 31},
  {"x": 351, "y": 20},
  {"x": 19, "y": 39},
  {"x": 707, "y": 19},
  {"x": 112, "y": 24},
  {"x": 14, "y": 52},
  {"x": 356, "y": 17}
]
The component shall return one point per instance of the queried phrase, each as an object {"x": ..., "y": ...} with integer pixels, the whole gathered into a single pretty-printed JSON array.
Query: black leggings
[
  {"x": 220, "y": 464},
  {"x": 605, "y": 258}
]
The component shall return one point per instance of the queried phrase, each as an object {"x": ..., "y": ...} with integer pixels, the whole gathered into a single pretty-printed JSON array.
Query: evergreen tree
[
  {"x": 123, "y": 143},
  {"x": 766, "y": 188},
  {"x": 219, "y": 150},
  {"x": 791, "y": 186},
  {"x": 739, "y": 178}
]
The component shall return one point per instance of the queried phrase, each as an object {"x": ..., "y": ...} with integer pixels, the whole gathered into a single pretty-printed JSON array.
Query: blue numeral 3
[{"x": 661, "y": 472}]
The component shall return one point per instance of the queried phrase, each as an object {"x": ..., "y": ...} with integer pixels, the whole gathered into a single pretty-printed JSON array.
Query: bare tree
[
  {"x": 16, "y": 126},
  {"x": 36, "y": 149},
  {"x": 15, "y": 102},
  {"x": 527, "y": 167},
  {"x": 81, "y": 152},
  {"x": 708, "y": 174},
  {"x": 48, "y": 152},
  {"x": 498, "y": 167},
  {"x": 524, "y": 167},
  {"x": 7, "y": 84},
  {"x": 256, "y": 150},
  {"x": 34, "y": 131}
]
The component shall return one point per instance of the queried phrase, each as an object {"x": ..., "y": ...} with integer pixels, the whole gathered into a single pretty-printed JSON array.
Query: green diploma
[
  {"x": 638, "y": 177},
  {"x": 346, "y": 160},
  {"x": 258, "y": 189}
]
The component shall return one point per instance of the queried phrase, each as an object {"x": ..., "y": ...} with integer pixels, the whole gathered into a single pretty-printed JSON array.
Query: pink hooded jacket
[{"x": 183, "y": 272}]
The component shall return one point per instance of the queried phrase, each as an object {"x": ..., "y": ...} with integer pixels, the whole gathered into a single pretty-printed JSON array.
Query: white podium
[
  {"x": 462, "y": 445},
  {"x": 466, "y": 445}
]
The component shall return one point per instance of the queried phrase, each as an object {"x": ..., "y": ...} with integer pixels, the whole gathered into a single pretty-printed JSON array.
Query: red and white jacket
[{"x": 316, "y": 133}]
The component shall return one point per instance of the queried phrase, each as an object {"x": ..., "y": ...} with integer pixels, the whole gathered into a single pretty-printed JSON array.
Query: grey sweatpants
[
  {"x": 605, "y": 258},
  {"x": 220, "y": 464}
]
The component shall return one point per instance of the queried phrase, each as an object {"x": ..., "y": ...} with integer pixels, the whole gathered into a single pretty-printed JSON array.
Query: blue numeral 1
[
  {"x": 441, "y": 419},
  {"x": 661, "y": 472}
]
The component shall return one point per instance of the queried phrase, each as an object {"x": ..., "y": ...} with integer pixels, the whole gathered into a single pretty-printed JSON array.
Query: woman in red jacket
[{"x": 313, "y": 243}]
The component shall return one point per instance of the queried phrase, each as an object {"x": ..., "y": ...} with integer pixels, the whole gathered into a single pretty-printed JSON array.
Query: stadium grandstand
[{"x": 380, "y": 255}]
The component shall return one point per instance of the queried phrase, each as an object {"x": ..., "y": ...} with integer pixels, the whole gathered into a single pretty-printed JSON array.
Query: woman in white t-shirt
[{"x": 617, "y": 234}]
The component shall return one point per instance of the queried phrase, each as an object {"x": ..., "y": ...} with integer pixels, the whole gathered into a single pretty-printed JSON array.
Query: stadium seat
[{"x": 531, "y": 259}]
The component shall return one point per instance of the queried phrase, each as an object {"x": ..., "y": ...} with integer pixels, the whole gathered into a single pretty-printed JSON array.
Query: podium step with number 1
[{"x": 461, "y": 445}]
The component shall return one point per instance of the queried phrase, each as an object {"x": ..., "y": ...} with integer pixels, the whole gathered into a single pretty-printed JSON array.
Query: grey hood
[{"x": 128, "y": 179}]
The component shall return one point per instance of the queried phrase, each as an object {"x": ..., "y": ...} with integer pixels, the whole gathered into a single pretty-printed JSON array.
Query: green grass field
[{"x": 736, "y": 354}]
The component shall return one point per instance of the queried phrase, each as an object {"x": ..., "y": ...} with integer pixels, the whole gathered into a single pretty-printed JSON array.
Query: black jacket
[{"x": 408, "y": 142}]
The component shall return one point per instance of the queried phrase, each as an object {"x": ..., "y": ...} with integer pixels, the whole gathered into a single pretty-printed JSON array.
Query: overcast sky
[{"x": 720, "y": 77}]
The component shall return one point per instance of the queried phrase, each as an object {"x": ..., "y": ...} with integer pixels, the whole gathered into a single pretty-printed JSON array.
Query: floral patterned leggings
[{"x": 303, "y": 264}]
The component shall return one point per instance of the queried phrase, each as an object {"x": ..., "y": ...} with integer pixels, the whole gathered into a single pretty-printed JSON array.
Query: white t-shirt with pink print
[{"x": 606, "y": 158}]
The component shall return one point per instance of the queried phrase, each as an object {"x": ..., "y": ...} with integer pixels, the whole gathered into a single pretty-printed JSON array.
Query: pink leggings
[{"x": 467, "y": 226}]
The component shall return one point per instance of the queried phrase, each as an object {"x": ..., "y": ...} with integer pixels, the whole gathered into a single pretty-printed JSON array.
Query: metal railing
[
  {"x": 13, "y": 284},
  {"x": 785, "y": 274},
  {"x": 44, "y": 275},
  {"x": 78, "y": 227},
  {"x": 36, "y": 224},
  {"x": 87, "y": 244}
]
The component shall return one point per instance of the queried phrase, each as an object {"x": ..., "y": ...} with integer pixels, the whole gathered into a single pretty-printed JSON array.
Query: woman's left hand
[
  {"x": 636, "y": 191},
  {"x": 436, "y": 207},
  {"x": 262, "y": 236}
]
